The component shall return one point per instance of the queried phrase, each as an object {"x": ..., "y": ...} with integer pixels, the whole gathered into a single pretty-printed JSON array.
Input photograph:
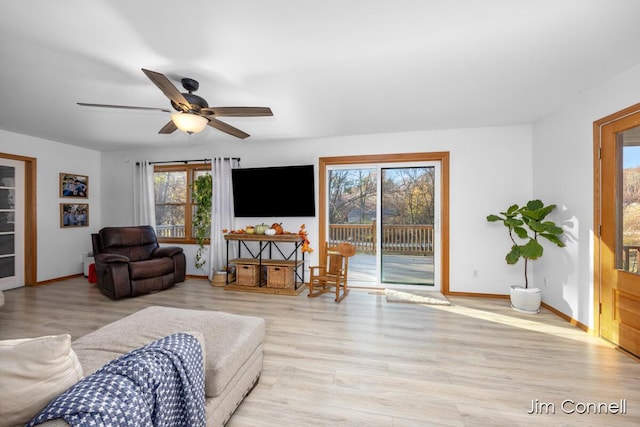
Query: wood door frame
[
  {"x": 30, "y": 217},
  {"x": 597, "y": 207},
  {"x": 441, "y": 156}
]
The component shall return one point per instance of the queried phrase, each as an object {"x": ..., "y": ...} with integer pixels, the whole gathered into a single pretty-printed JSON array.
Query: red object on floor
[{"x": 92, "y": 274}]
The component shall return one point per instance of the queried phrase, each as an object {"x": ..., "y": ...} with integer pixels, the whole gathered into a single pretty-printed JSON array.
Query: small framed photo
[
  {"x": 74, "y": 215},
  {"x": 72, "y": 185}
]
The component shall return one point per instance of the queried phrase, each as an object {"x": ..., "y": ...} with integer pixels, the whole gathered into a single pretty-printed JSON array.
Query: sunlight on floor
[{"x": 517, "y": 322}]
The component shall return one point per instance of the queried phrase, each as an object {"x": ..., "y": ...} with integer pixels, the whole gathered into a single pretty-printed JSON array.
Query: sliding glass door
[
  {"x": 407, "y": 219},
  {"x": 389, "y": 212},
  {"x": 352, "y": 214}
]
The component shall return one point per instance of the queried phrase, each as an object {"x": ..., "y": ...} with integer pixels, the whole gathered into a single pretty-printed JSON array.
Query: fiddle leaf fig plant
[
  {"x": 201, "y": 195},
  {"x": 525, "y": 225}
]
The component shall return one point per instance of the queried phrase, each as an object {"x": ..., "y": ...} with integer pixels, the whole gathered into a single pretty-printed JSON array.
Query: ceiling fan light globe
[{"x": 190, "y": 123}]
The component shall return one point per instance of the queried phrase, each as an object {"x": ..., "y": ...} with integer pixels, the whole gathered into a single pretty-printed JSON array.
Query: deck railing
[
  {"x": 401, "y": 239},
  {"x": 171, "y": 230},
  {"x": 404, "y": 239},
  {"x": 630, "y": 257}
]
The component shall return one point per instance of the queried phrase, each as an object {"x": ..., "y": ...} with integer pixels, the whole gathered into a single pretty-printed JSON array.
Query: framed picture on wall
[
  {"x": 72, "y": 185},
  {"x": 74, "y": 215}
]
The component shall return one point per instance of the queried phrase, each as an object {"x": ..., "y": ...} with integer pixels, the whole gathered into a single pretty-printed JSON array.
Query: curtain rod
[{"x": 189, "y": 161}]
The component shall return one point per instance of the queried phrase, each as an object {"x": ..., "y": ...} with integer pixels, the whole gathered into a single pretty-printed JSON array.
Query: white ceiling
[{"x": 326, "y": 68}]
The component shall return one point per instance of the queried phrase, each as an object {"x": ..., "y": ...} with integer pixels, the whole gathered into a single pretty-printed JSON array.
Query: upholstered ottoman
[{"x": 232, "y": 350}]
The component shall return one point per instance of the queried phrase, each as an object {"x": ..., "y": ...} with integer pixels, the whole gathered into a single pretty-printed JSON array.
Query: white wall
[
  {"x": 563, "y": 174},
  {"x": 59, "y": 250},
  {"x": 490, "y": 168}
]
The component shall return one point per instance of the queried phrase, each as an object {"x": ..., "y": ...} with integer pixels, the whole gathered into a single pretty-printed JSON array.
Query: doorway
[
  {"x": 617, "y": 213},
  {"x": 27, "y": 217},
  {"x": 11, "y": 224},
  {"x": 394, "y": 209}
]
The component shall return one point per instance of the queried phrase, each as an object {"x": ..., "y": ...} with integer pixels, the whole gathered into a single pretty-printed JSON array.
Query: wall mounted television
[{"x": 284, "y": 191}]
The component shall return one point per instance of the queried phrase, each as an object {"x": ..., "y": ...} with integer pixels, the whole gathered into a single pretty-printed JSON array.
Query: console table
[{"x": 286, "y": 248}]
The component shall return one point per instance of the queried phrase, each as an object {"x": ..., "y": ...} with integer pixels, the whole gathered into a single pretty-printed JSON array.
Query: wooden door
[{"x": 619, "y": 244}]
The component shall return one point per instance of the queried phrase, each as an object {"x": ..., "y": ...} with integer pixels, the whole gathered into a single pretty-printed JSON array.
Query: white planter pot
[{"x": 525, "y": 300}]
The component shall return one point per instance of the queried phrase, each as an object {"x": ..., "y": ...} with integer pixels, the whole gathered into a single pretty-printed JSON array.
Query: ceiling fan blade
[
  {"x": 170, "y": 127},
  {"x": 238, "y": 111},
  {"x": 126, "y": 107},
  {"x": 168, "y": 89},
  {"x": 224, "y": 127}
]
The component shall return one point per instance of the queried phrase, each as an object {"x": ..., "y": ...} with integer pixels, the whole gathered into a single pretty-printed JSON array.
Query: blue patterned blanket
[{"x": 160, "y": 384}]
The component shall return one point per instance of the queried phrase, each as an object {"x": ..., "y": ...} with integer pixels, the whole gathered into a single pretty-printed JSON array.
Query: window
[{"x": 174, "y": 207}]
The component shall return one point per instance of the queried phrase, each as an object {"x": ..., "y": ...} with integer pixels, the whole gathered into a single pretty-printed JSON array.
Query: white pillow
[{"x": 32, "y": 372}]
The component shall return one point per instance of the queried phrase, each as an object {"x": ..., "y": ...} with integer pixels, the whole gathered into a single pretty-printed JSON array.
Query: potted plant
[
  {"x": 525, "y": 225},
  {"x": 201, "y": 197}
]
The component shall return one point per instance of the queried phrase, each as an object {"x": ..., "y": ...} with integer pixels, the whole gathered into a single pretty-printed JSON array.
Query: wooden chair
[{"x": 332, "y": 273}]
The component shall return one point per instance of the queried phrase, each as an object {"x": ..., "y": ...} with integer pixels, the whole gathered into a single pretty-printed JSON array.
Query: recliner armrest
[
  {"x": 166, "y": 251},
  {"x": 109, "y": 258}
]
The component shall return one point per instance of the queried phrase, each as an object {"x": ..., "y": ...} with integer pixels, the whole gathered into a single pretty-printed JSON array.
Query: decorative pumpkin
[
  {"x": 277, "y": 227},
  {"x": 260, "y": 229},
  {"x": 250, "y": 229},
  {"x": 270, "y": 232}
]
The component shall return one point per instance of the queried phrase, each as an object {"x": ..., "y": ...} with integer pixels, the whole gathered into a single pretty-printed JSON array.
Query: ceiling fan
[{"x": 192, "y": 112}]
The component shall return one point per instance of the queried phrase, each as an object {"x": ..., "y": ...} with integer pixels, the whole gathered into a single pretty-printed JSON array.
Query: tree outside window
[{"x": 175, "y": 209}]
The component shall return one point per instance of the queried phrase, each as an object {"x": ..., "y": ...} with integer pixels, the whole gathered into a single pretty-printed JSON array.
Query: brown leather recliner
[{"x": 129, "y": 262}]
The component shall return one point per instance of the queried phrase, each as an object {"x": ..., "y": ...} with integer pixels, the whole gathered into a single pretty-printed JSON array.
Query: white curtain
[
  {"x": 222, "y": 211},
  {"x": 144, "y": 208}
]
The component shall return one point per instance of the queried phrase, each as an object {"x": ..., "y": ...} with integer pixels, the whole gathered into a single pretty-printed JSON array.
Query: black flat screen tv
[{"x": 284, "y": 191}]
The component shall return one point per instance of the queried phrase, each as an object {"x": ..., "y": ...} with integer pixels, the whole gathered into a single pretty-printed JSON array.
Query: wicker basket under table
[
  {"x": 248, "y": 275},
  {"x": 280, "y": 277}
]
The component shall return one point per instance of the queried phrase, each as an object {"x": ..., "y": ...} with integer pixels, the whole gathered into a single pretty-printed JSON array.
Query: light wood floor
[{"x": 366, "y": 362}]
